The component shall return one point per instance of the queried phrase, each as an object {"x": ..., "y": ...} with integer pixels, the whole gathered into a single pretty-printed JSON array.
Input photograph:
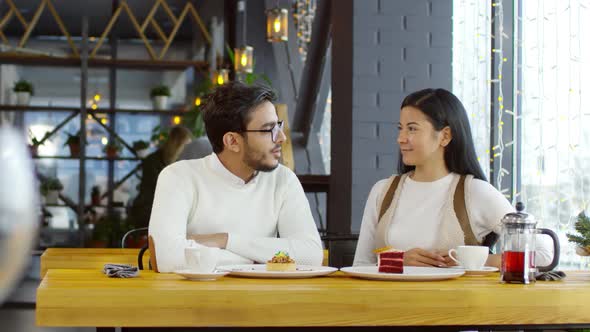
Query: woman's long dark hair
[{"x": 442, "y": 109}]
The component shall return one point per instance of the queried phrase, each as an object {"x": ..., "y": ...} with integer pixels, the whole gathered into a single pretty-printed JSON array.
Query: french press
[{"x": 518, "y": 247}]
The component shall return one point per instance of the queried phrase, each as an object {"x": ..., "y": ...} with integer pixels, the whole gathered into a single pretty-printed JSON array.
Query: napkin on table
[{"x": 120, "y": 270}]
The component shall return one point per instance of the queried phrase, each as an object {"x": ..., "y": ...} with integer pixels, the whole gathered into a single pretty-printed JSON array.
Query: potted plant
[
  {"x": 160, "y": 96},
  {"x": 112, "y": 149},
  {"x": 101, "y": 233},
  {"x": 73, "y": 142},
  {"x": 34, "y": 146},
  {"x": 582, "y": 239},
  {"x": 50, "y": 188},
  {"x": 35, "y": 143},
  {"x": 23, "y": 90},
  {"x": 108, "y": 230},
  {"x": 159, "y": 135},
  {"x": 141, "y": 148},
  {"x": 95, "y": 195}
]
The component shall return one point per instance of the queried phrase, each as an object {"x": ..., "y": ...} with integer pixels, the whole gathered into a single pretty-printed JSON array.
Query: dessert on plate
[
  {"x": 281, "y": 262},
  {"x": 390, "y": 260}
]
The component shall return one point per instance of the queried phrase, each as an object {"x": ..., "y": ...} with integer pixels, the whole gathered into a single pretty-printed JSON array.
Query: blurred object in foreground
[{"x": 18, "y": 208}]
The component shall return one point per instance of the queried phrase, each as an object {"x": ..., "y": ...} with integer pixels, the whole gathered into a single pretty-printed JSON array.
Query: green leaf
[
  {"x": 230, "y": 52},
  {"x": 582, "y": 227}
]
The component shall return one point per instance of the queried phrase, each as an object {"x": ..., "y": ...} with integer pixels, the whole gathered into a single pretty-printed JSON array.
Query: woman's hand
[
  {"x": 449, "y": 261},
  {"x": 421, "y": 257}
]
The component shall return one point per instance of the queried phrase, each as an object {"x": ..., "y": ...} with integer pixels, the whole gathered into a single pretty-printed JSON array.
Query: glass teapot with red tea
[{"x": 518, "y": 247}]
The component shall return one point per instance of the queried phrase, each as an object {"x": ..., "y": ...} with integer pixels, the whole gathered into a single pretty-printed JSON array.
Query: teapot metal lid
[{"x": 519, "y": 217}]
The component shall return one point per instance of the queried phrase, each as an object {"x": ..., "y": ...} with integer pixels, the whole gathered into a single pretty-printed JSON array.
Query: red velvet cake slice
[{"x": 391, "y": 261}]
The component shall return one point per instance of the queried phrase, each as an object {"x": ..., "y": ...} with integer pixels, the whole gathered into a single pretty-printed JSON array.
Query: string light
[
  {"x": 176, "y": 120},
  {"x": 498, "y": 52},
  {"x": 198, "y": 101},
  {"x": 303, "y": 14}
]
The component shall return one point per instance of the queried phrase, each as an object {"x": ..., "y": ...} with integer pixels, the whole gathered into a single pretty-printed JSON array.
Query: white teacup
[
  {"x": 201, "y": 259},
  {"x": 470, "y": 257}
]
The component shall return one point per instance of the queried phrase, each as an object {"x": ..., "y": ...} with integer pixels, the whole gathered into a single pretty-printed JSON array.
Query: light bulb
[{"x": 277, "y": 24}]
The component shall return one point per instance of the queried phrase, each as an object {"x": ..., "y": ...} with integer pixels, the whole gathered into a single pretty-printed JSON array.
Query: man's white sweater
[{"x": 201, "y": 196}]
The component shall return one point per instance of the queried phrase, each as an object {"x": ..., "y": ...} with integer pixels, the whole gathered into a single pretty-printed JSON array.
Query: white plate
[
  {"x": 411, "y": 273},
  {"x": 259, "y": 271},
  {"x": 477, "y": 272},
  {"x": 192, "y": 275}
]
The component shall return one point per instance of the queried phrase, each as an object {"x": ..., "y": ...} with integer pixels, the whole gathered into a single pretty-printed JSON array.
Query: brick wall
[{"x": 400, "y": 46}]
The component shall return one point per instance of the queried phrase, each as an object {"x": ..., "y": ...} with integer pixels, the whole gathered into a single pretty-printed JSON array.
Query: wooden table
[
  {"x": 88, "y": 298},
  {"x": 88, "y": 258}
]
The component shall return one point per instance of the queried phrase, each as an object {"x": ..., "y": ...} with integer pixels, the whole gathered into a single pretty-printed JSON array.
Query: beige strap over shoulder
[
  {"x": 388, "y": 199},
  {"x": 458, "y": 205},
  {"x": 461, "y": 212}
]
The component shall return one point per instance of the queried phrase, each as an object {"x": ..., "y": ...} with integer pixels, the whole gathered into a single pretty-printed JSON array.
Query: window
[
  {"x": 550, "y": 170},
  {"x": 555, "y": 110}
]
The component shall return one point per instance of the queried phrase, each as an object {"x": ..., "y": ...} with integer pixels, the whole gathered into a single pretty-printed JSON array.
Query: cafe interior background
[{"x": 521, "y": 68}]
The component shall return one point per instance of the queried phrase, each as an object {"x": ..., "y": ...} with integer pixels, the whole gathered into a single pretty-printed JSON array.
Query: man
[{"x": 239, "y": 198}]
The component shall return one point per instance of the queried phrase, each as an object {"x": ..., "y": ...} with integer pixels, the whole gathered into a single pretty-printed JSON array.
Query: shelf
[
  {"x": 115, "y": 159},
  {"x": 102, "y": 206},
  {"x": 40, "y": 60},
  {"x": 315, "y": 183},
  {"x": 11, "y": 108},
  {"x": 137, "y": 111},
  {"x": 54, "y": 205},
  {"x": 89, "y": 158},
  {"x": 37, "y": 108}
]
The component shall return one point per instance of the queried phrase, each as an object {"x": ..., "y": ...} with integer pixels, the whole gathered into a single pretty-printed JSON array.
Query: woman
[
  {"x": 151, "y": 167},
  {"x": 436, "y": 150}
]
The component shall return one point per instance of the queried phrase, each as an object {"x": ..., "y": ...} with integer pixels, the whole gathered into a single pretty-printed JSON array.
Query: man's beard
[{"x": 255, "y": 160}]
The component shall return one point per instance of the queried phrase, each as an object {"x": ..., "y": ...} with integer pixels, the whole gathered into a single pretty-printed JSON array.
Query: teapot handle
[{"x": 555, "y": 260}]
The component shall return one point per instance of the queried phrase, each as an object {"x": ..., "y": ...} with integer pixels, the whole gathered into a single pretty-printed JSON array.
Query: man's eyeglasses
[{"x": 274, "y": 131}]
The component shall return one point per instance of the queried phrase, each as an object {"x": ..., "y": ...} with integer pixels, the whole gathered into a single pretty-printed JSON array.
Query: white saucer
[
  {"x": 477, "y": 272},
  {"x": 192, "y": 275}
]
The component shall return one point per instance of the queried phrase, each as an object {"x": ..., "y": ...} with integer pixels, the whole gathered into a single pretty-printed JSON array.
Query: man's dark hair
[{"x": 228, "y": 108}]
